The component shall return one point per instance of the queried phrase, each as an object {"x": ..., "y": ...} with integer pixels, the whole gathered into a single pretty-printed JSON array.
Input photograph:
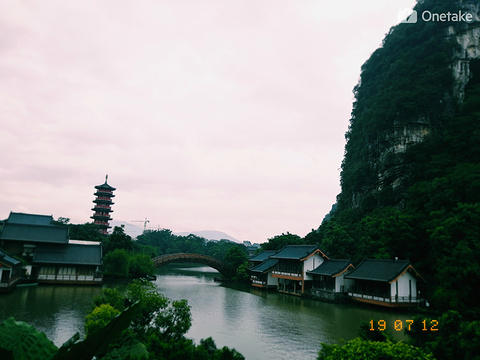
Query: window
[{"x": 67, "y": 271}]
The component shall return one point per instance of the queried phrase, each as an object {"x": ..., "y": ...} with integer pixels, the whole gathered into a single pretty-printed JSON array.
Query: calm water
[{"x": 260, "y": 325}]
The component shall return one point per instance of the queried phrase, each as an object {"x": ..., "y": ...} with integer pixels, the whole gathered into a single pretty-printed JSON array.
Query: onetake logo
[{"x": 409, "y": 16}]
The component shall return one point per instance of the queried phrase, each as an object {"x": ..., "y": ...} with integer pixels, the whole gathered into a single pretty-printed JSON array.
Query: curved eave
[
  {"x": 101, "y": 201},
  {"x": 412, "y": 270},
  {"x": 102, "y": 209},
  {"x": 97, "y": 217},
  {"x": 103, "y": 193},
  {"x": 105, "y": 186},
  {"x": 318, "y": 252}
]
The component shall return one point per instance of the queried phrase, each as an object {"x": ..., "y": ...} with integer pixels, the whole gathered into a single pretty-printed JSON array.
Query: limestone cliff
[{"x": 409, "y": 88}]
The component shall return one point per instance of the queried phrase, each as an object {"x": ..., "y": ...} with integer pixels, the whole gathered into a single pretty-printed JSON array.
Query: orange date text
[{"x": 399, "y": 325}]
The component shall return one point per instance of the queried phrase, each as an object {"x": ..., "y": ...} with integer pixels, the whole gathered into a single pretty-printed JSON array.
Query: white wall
[
  {"x": 311, "y": 263},
  {"x": 403, "y": 285},
  {"x": 271, "y": 281}
]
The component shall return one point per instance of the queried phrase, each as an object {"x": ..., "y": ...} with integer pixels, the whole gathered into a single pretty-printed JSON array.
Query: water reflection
[{"x": 58, "y": 311}]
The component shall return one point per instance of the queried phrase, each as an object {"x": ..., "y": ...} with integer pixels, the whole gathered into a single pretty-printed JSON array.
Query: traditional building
[
  {"x": 261, "y": 274},
  {"x": 76, "y": 263},
  {"x": 391, "y": 283},
  {"x": 329, "y": 279},
  {"x": 50, "y": 254},
  {"x": 294, "y": 262},
  {"x": 23, "y": 233},
  {"x": 10, "y": 271},
  {"x": 258, "y": 259},
  {"x": 102, "y": 207}
]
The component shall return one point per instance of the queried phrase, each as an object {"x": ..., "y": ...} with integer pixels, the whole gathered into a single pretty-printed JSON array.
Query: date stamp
[{"x": 399, "y": 325}]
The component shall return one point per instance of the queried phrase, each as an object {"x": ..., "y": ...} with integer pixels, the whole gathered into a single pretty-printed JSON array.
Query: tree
[
  {"x": 117, "y": 263},
  {"x": 118, "y": 240},
  {"x": 140, "y": 265},
  {"x": 99, "y": 317},
  {"x": 372, "y": 350},
  {"x": 235, "y": 256},
  {"x": 279, "y": 241}
]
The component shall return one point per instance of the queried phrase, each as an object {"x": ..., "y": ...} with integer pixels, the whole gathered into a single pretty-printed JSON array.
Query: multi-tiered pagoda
[{"x": 102, "y": 207}]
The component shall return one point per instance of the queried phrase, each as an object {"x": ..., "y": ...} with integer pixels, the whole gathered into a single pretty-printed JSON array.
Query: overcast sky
[{"x": 223, "y": 115}]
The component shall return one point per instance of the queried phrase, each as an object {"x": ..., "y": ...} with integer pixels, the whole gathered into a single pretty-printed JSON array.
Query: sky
[{"x": 225, "y": 115}]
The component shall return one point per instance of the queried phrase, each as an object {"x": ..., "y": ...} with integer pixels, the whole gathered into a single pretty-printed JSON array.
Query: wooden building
[
  {"x": 22, "y": 233},
  {"x": 51, "y": 255},
  {"x": 77, "y": 262},
  {"x": 294, "y": 263},
  {"x": 329, "y": 281},
  {"x": 261, "y": 274},
  {"x": 391, "y": 283}
]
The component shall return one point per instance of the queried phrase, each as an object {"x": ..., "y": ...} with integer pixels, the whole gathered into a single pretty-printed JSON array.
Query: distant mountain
[
  {"x": 130, "y": 229},
  {"x": 135, "y": 230},
  {"x": 209, "y": 235}
]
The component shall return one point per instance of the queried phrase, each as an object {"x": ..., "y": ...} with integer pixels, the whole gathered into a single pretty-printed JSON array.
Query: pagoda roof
[
  {"x": 297, "y": 252},
  {"x": 105, "y": 186},
  {"x": 331, "y": 267},
  {"x": 382, "y": 270},
  {"x": 265, "y": 266},
  {"x": 76, "y": 252}
]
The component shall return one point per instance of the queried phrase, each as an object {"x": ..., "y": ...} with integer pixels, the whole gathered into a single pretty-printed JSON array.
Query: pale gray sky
[{"x": 206, "y": 114}]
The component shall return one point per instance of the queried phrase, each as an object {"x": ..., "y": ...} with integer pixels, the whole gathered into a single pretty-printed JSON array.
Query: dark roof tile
[
  {"x": 331, "y": 267},
  {"x": 263, "y": 255},
  {"x": 35, "y": 233},
  {"x": 32, "y": 219},
  {"x": 297, "y": 252},
  {"x": 264, "y": 266},
  {"x": 74, "y": 253},
  {"x": 379, "y": 270}
]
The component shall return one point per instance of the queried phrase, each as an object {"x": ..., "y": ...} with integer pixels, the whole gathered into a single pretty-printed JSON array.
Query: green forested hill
[{"x": 411, "y": 173}]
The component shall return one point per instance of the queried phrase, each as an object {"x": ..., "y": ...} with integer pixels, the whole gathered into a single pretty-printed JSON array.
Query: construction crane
[{"x": 144, "y": 223}]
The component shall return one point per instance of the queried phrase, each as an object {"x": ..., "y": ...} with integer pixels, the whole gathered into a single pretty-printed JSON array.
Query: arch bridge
[{"x": 221, "y": 266}]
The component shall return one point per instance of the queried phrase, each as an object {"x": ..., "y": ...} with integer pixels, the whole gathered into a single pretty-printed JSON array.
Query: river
[{"x": 260, "y": 325}]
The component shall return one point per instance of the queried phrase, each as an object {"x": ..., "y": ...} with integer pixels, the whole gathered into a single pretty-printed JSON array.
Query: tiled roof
[
  {"x": 297, "y": 252},
  {"x": 331, "y": 267},
  {"x": 264, "y": 266},
  {"x": 32, "y": 219},
  {"x": 8, "y": 260},
  {"x": 263, "y": 255},
  {"x": 379, "y": 270},
  {"x": 35, "y": 233},
  {"x": 73, "y": 254}
]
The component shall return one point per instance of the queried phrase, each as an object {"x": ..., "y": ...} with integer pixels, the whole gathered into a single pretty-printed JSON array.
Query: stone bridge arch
[{"x": 221, "y": 266}]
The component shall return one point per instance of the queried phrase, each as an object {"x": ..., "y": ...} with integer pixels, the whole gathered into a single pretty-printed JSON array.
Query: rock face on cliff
[{"x": 410, "y": 88}]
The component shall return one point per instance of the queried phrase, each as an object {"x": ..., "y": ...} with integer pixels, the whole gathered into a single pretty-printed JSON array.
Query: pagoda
[{"x": 102, "y": 207}]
